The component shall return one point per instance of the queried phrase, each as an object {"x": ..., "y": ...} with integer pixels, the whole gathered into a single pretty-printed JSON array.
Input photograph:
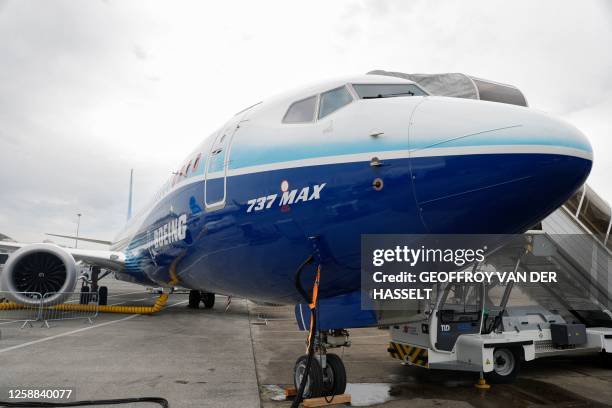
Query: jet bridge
[{"x": 458, "y": 85}]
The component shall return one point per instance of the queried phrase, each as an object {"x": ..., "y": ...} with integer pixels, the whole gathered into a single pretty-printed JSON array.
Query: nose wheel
[
  {"x": 327, "y": 373},
  {"x": 314, "y": 383},
  {"x": 322, "y": 381}
]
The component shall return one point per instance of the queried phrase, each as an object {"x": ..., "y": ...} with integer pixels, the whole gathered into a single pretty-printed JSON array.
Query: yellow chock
[{"x": 482, "y": 384}]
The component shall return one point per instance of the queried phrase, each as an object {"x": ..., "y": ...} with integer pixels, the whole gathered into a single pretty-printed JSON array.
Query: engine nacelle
[{"x": 39, "y": 268}]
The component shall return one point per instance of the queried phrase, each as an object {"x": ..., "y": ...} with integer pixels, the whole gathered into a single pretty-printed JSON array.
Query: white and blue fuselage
[{"x": 238, "y": 216}]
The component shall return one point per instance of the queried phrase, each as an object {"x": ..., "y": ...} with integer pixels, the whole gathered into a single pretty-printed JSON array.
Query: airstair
[
  {"x": 576, "y": 239},
  {"x": 492, "y": 328},
  {"x": 575, "y": 243}
]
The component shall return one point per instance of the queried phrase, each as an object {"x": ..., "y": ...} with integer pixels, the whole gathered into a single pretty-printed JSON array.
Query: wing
[
  {"x": 106, "y": 259},
  {"x": 95, "y": 241}
]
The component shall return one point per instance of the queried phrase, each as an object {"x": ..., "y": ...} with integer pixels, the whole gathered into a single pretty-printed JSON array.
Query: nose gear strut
[{"x": 318, "y": 373}]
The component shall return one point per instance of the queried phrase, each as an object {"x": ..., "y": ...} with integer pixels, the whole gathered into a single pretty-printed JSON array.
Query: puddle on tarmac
[
  {"x": 524, "y": 393},
  {"x": 367, "y": 394},
  {"x": 362, "y": 395},
  {"x": 274, "y": 392}
]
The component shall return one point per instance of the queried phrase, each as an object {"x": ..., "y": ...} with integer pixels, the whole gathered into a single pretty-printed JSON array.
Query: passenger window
[
  {"x": 333, "y": 100},
  {"x": 196, "y": 163},
  {"x": 301, "y": 111}
]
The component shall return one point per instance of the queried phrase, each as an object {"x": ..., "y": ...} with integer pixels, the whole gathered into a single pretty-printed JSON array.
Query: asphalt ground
[
  {"x": 243, "y": 356},
  {"x": 193, "y": 358}
]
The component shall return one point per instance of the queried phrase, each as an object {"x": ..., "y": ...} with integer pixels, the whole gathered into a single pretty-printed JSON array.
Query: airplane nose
[{"x": 485, "y": 167}]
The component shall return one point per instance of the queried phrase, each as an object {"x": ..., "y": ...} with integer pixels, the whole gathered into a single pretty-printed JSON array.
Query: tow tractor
[{"x": 491, "y": 329}]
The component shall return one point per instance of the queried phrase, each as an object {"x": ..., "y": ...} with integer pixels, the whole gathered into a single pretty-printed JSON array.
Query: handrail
[{"x": 587, "y": 194}]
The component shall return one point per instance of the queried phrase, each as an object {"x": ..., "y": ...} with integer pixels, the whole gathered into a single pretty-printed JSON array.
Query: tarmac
[{"x": 243, "y": 356}]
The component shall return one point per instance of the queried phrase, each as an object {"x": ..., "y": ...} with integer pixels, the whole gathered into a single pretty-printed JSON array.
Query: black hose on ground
[
  {"x": 155, "y": 400},
  {"x": 299, "y": 397}
]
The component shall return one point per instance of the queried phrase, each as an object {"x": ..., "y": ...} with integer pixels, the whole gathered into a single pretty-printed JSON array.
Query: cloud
[
  {"x": 140, "y": 52},
  {"x": 61, "y": 72}
]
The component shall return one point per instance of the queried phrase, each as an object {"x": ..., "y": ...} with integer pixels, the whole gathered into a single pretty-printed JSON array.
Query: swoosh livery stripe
[
  {"x": 404, "y": 154},
  {"x": 502, "y": 149},
  {"x": 365, "y": 157}
]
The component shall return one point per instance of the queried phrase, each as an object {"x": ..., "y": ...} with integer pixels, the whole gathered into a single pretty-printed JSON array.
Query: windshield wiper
[{"x": 390, "y": 95}]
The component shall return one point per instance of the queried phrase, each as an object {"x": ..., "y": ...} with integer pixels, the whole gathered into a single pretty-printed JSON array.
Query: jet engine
[{"x": 40, "y": 268}]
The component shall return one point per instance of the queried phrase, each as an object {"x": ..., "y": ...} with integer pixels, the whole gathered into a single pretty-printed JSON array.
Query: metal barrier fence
[
  {"x": 12, "y": 312},
  {"x": 69, "y": 306},
  {"x": 270, "y": 312},
  {"x": 51, "y": 306}
]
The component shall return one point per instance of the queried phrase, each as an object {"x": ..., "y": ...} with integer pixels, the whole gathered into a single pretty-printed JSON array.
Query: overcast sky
[{"x": 90, "y": 88}]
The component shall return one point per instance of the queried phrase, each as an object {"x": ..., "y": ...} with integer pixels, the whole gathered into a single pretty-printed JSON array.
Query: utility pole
[
  {"x": 76, "y": 241},
  {"x": 129, "y": 211}
]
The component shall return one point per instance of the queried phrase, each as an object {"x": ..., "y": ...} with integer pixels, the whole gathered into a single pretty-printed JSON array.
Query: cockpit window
[
  {"x": 333, "y": 100},
  {"x": 373, "y": 91},
  {"x": 301, "y": 111}
]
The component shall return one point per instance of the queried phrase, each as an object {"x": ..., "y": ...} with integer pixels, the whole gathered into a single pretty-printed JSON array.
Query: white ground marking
[
  {"x": 179, "y": 303},
  {"x": 12, "y": 322},
  {"x": 30, "y": 343}
]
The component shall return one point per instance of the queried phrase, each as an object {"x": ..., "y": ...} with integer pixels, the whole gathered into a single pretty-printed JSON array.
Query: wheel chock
[
  {"x": 290, "y": 391},
  {"x": 322, "y": 401},
  {"x": 482, "y": 384}
]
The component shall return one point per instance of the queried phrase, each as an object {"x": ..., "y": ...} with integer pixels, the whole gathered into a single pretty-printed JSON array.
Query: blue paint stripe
[{"x": 248, "y": 156}]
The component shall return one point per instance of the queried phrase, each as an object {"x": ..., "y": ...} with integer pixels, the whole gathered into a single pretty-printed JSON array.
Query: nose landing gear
[{"x": 318, "y": 374}]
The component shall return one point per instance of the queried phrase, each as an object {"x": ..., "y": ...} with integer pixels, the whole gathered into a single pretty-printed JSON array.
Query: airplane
[{"x": 290, "y": 184}]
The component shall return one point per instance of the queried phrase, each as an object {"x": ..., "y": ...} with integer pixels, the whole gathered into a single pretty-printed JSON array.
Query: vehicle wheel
[
  {"x": 334, "y": 378},
  {"x": 103, "y": 295},
  {"x": 506, "y": 364},
  {"x": 314, "y": 383},
  {"x": 84, "y": 295},
  {"x": 606, "y": 359},
  {"x": 208, "y": 299},
  {"x": 194, "y": 299}
]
